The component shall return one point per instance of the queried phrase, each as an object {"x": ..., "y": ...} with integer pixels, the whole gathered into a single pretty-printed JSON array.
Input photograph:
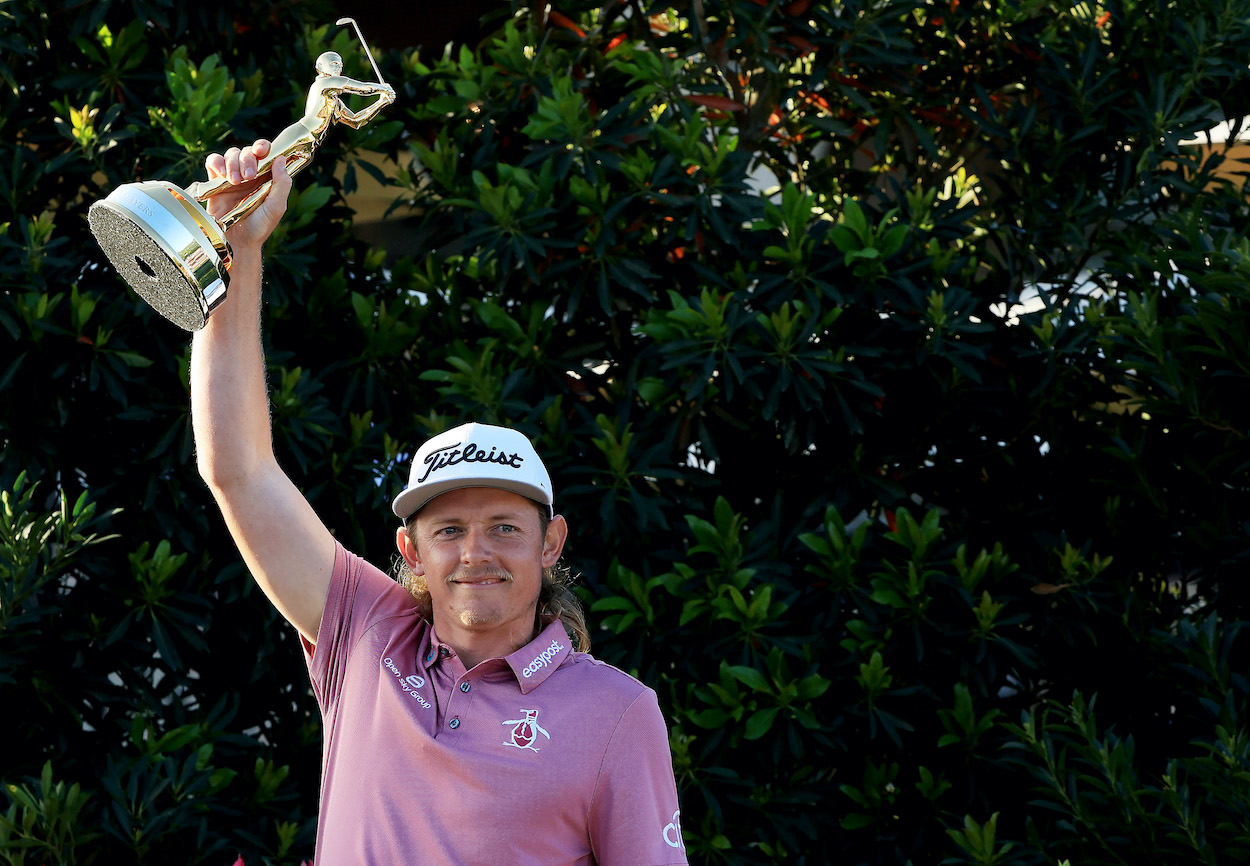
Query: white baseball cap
[{"x": 474, "y": 455}]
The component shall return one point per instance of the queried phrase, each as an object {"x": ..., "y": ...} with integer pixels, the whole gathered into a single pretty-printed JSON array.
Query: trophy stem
[
  {"x": 245, "y": 207},
  {"x": 204, "y": 190}
]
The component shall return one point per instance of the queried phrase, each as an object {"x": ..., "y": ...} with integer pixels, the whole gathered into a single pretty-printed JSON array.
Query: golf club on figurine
[{"x": 162, "y": 240}]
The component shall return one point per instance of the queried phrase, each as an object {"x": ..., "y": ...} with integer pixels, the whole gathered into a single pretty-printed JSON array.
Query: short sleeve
[
  {"x": 634, "y": 816},
  {"x": 359, "y": 596}
]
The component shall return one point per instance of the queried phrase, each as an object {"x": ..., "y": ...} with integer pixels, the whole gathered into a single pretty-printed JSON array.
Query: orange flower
[{"x": 565, "y": 22}]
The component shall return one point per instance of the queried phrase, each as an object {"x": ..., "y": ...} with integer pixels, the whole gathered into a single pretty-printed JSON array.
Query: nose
[{"x": 476, "y": 547}]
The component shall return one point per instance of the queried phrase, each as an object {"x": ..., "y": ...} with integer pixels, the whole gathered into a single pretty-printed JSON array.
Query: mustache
[{"x": 480, "y": 573}]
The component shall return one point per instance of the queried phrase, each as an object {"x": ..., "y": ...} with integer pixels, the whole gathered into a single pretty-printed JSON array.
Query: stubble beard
[{"x": 478, "y": 617}]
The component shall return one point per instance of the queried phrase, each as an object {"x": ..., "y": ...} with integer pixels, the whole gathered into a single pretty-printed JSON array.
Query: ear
[
  {"x": 408, "y": 551},
  {"x": 553, "y": 543}
]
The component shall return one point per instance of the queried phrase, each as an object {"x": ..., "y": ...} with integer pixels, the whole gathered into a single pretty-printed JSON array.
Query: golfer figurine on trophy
[{"x": 165, "y": 244}]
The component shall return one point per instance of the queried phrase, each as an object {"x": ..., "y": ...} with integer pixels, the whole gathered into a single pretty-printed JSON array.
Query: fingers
[
  {"x": 233, "y": 165},
  {"x": 281, "y": 180},
  {"x": 274, "y": 203},
  {"x": 237, "y": 164},
  {"x": 249, "y": 158},
  {"x": 216, "y": 165}
]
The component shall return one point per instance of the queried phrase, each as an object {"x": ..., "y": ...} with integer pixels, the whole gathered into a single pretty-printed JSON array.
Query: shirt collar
[
  {"x": 535, "y": 661},
  {"x": 435, "y": 649}
]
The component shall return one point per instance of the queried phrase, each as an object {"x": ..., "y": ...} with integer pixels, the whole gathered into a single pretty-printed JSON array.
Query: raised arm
[
  {"x": 286, "y": 547},
  {"x": 357, "y": 119}
]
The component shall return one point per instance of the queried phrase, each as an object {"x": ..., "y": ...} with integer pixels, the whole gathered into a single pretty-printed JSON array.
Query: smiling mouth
[{"x": 487, "y": 578}]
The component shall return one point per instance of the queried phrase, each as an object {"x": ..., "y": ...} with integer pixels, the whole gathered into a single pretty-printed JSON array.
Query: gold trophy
[{"x": 163, "y": 242}]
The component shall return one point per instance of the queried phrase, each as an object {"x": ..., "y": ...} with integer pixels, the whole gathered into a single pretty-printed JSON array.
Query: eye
[{"x": 507, "y": 528}]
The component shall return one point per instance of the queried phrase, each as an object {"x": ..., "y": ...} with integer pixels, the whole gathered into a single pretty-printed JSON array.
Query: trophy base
[{"x": 166, "y": 246}]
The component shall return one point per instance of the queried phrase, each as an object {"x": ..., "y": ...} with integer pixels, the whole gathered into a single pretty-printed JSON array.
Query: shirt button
[
  {"x": 454, "y": 723},
  {"x": 443, "y": 652},
  {"x": 464, "y": 687}
]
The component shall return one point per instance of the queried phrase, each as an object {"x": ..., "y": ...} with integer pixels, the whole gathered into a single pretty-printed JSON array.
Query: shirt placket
[
  {"x": 435, "y": 659},
  {"x": 460, "y": 703}
]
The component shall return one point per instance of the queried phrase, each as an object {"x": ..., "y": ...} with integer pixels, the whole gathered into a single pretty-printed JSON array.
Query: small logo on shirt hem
[{"x": 675, "y": 829}]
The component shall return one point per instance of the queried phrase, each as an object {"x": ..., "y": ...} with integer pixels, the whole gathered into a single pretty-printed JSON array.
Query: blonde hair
[{"x": 556, "y": 598}]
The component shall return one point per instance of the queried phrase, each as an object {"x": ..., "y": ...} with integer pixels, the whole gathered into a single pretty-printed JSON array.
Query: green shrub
[{"x": 890, "y": 360}]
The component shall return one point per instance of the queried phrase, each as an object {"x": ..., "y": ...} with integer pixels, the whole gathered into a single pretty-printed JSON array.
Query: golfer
[{"x": 464, "y": 721}]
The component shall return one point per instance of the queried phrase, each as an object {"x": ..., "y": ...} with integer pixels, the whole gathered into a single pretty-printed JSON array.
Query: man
[{"x": 460, "y": 725}]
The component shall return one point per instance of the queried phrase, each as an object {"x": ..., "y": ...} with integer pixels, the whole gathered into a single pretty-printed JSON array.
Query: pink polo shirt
[{"x": 546, "y": 757}]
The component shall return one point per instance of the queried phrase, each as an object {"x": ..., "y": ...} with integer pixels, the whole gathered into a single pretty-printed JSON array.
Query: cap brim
[{"x": 408, "y": 503}]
